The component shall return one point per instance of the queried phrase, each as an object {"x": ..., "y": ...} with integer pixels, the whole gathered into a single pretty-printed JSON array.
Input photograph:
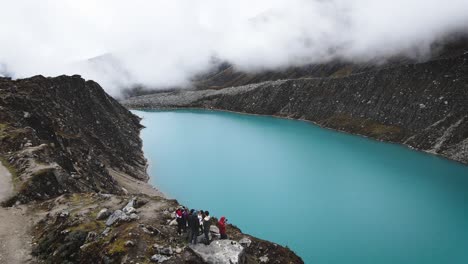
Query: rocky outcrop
[
  {"x": 422, "y": 105},
  {"x": 220, "y": 252},
  {"x": 63, "y": 134}
]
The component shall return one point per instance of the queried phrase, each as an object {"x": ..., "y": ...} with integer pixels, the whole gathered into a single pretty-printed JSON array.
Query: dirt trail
[{"x": 15, "y": 243}]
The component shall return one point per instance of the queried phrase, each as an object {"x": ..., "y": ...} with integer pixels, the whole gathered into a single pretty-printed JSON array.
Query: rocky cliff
[
  {"x": 79, "y": 178},
  {"x": 422, "y": 105},
  {"x": 62, "y": 134}
]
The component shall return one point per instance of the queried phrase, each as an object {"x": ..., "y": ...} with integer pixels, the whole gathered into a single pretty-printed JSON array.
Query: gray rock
[
  {"x": 106, "y": 231},
  {"x": 129, "y": 210},
  {"x": 134, "y": 217},
  {"x": 129, "y": 204},
  {"x": 214, "y": 229},
  {"x": 156, "y": 246},
  {"x": 178, "y": 250},
  {"x": 220, "y": 252},
  {"x": 64, "y": 214},
  {"x": 116, "y": 217},
  {"x": 264, "y": 259},
  {"x": 129, "y": 243},
  {"x": 91, "y": 237},
  {"x": 245, "y": 242},
  {"x": 145, "y": 230},
  {"x": 103, "y": 214},
  {"x": 166, "y": 251},
  {"x": 159, "y": 258},
  {"x": 173, "y": 223}
]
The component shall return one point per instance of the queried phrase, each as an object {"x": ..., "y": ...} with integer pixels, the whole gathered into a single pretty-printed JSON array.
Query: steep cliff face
[
  {"x": 62, "y": 135},
  {"x": 422, "y": 105}
]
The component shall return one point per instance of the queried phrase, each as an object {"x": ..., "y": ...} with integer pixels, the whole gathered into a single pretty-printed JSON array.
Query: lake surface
[{"x": 331, "y": 197}]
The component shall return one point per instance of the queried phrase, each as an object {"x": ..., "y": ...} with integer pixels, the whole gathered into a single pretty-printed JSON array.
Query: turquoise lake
[{"x": 329, "y": 196}]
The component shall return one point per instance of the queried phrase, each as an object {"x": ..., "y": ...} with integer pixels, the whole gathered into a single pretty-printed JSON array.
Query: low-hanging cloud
[{"x": 164, "y": 43}]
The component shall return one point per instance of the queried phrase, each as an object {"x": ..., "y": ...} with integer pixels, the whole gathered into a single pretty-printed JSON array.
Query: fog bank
[{"x": 164, "y": 43}]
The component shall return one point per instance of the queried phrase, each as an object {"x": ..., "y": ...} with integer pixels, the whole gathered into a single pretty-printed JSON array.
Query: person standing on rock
[
  {"x": 201, "y": 215},
  {"x": 194, "y": 226},
  {"x": 184, "y": 219},
  {"x": 179, "y": 220},
  {"x": 206, "y": 227},
  {"x": 189, "y": 225},
  {"x": 222, "y": 227}
]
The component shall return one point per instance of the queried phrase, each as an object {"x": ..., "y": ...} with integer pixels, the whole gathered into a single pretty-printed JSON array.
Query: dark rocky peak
[{"x": 65, "y": 134}]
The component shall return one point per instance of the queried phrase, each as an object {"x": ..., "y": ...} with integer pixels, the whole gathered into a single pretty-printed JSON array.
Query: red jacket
[
  {"x": 222, "y": 225},
  {"x": 179, "y": 213}
]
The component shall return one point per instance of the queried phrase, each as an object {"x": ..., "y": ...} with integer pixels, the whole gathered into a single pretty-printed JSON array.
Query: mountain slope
[{"x": 423, "y": 105}]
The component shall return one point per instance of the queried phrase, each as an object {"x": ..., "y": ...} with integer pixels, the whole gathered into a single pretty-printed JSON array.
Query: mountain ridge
[{"x": 421, "y": 105}]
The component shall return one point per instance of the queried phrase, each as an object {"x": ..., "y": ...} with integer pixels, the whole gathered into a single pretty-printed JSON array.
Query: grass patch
[
  {"x": 118, "y": 247},
  {"x": 363, "y": 126},
  {"x": 14, "y": 173},
  {"x": 343, "y": 72},
  {"x": 89, "y": 226},
  {"x": 7, "y": 131},
  {"x": 3, "y": 128}
]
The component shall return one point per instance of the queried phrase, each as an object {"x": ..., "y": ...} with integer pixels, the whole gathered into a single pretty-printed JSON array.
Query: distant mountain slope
[
  {"x": 422, "y": 105},
  {"x": 224, "y": 74}
]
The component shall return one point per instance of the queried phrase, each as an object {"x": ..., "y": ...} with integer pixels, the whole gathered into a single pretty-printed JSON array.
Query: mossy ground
[
  {"x": 14, "y": 173},
  {"x": 364, "y": 126},
  {"x": 343, "y": 72}
]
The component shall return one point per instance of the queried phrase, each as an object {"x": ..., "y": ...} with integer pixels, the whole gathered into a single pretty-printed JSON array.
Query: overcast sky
[{"x": 163, "y": 43}]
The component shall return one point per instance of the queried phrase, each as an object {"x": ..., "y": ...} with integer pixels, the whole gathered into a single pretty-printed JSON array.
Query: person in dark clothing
[
  {"x": 184, "y": 219},
  {"x": 189, "y": 225},
  {"x": 194, "y": 226},
  {"x": 206, "y": 227},
  {"x": 222, "y": 227},
  {"x": 179, "y": 220}
]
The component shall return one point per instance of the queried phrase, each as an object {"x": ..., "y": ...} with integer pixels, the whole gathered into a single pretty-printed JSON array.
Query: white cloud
[{"x": 163, "y": 43}]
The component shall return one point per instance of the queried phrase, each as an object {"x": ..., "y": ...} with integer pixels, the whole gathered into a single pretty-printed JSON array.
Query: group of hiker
[{"x": 197, "y": 222}]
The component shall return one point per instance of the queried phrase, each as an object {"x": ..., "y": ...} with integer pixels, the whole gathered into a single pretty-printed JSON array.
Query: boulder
[
  {"x": 245, "y": 242},
  {"x": 220, "y": 252},
  {"x": 130, "y": 204},
  {"x": 214, "y": 229},
  {"x": 159, "y": 258},
  {"x": 264, "y": 259},
  {"x": 129, "y": 210},
  {"x": 116, "y": 217},
  {"x": 103, "y": 214},
  {"x": 139, "y": 202},
  {"x": 151, "y": 230},
  {"x": 134, "y": 216},
  {"x": 173, "y": 222},
  {"x": 166, "y": 251}
]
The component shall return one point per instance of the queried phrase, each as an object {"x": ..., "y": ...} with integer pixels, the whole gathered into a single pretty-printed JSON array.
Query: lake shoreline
[{"x": 301, "y": 120}]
